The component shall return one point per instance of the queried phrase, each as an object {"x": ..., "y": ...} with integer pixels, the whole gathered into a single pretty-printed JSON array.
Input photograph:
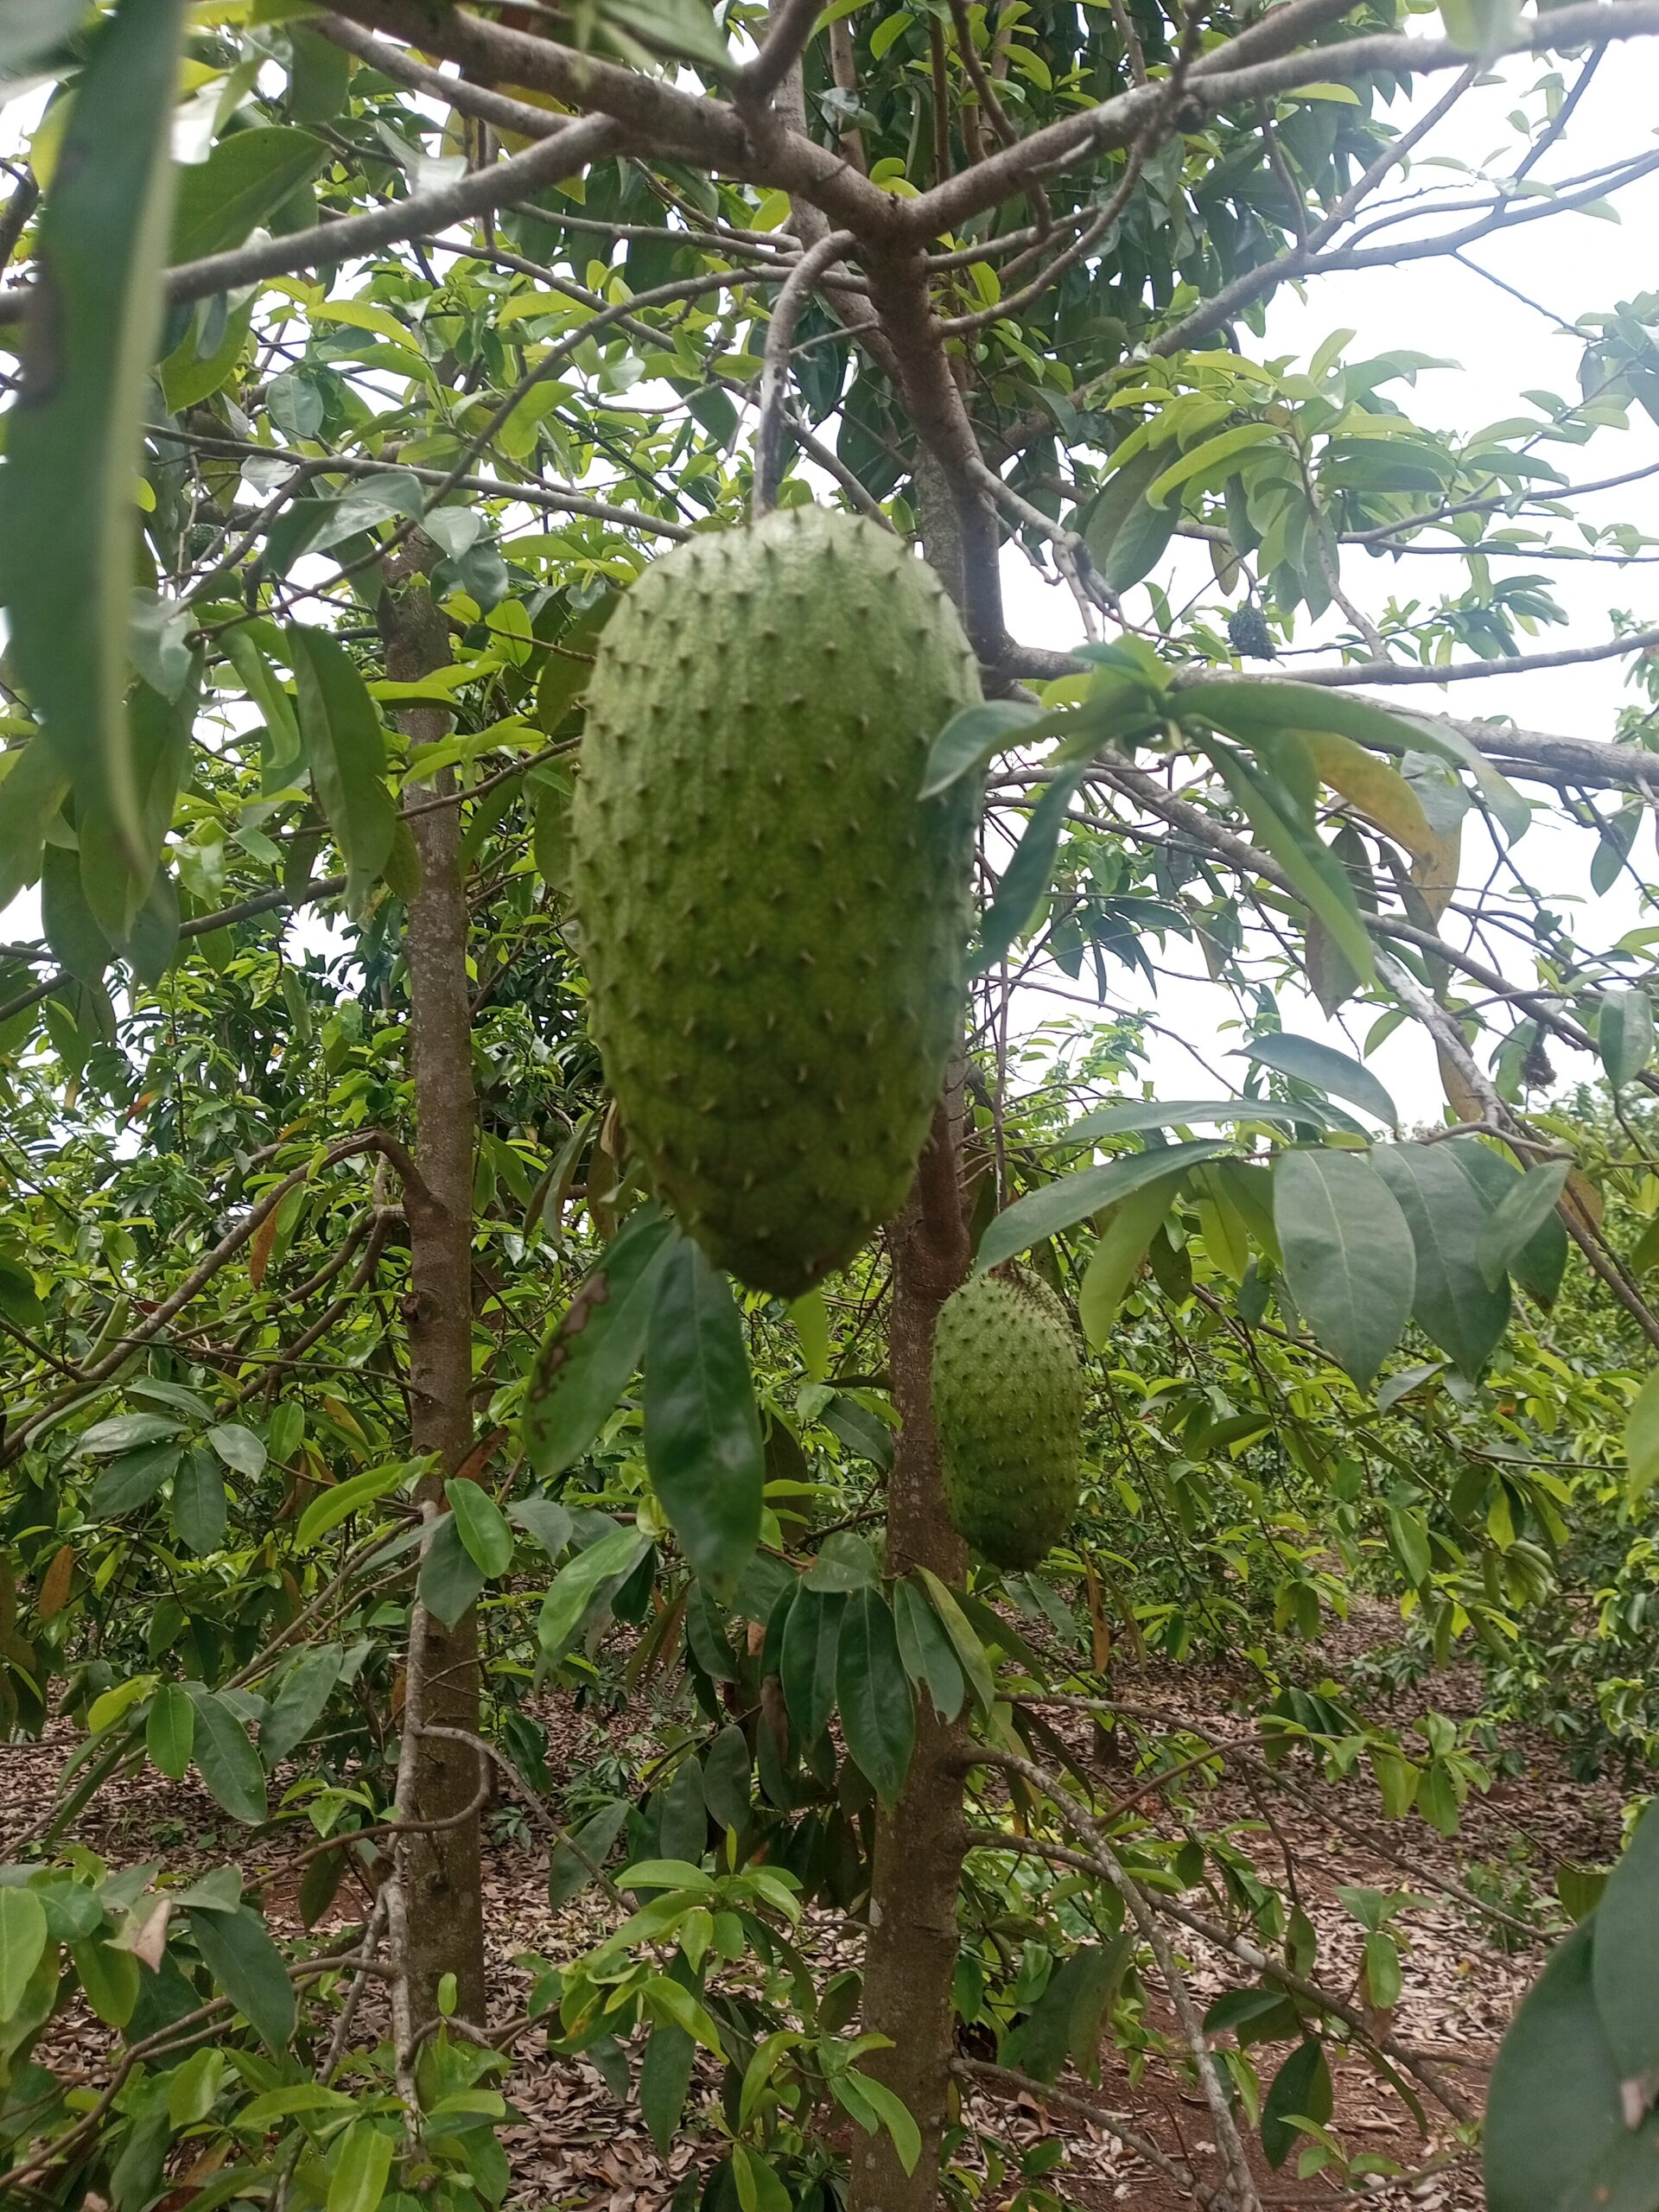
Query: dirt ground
[{"x": 575, "y": 2147}]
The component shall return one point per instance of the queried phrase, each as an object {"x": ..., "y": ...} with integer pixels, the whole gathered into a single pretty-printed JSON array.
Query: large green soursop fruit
[
  {"x": 1007, "y": 1403},
  {"x": 774, "y": 923}
]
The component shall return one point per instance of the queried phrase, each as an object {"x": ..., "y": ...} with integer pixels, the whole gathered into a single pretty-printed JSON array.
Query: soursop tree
[{"x": 465, "y": 503}]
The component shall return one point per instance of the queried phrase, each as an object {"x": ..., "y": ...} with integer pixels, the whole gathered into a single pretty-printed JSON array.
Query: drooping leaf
[
  {"x": 1626, "y": 1964},
  {"x": 878, "y": 1714},
  {"x": 1026, "y": 879},
  {"x": 976, "y": 734},
  {"x": 1541, "y": 1262},
  {"x": 1118, "y": 1253},
  {"x": 811, "y": 1641},
  {"x": 1348, "y": 1254},
  {"x": 200, "y": 1507},
  {"x": 1325, "y": 1069},
  {"x": 450, "y": 1578},
  {"x": 299, "y": 1702},
  {"x": 579, "y": 1585},
  {"x": 72, "y": 440},
  {"x": 1125, "y": 534},
  {"x": 1525, "y": 1208},
  {"x": 1301, "y": 2087},
  {"x": 664, "y": 2079},
  {"x": 1453, "y": 1303},
  {"x": 1553, "y": 2105},
  {"x": 22, "y": 1943},
  {"x": 929, "y": 1655},
  {"x": 704, "y": 1447},
  {"x": 170, "y": 1731},
  {"x": 587, "y": 1359},
  {"x": 1625, "y": 1035},
  {"x": 225, "y": 1758},
  {"x": 247, "y": 1965},
  {"x": 569, "y": 1870},
  {"x": 30, "y": 796},
  {"x": 1071, "y": 1198},
  {"x": 1642, "y": 1440},
  {"x": 348, "y": 753},
  {"x": 482, "y": 1527}
]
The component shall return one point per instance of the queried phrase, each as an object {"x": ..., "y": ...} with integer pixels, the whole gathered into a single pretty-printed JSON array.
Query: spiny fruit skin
[
  {"x": 774, "y": 924},
  {"x": 1007, "y": 1403}
]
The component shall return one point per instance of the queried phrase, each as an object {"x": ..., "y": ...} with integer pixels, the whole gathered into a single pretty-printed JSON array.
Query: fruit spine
[
  {"x": 773, "y": 923},
  {"x": 1007, "y": 1403}
]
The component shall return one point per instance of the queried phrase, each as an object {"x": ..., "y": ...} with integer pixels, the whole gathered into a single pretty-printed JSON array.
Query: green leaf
[
  {"x": 68, "y": 921},
  {"x": 1071, "y": 1198},
  {"x": 300, "y": 1702},
  {"x": 1348, "y": 1252},
  {"x": 200, "y": 1508},
  {"x": 1625, "y": 1035},
  {"x": 586, "y": 1361},
  {"x": 807, "y": 1668},
  {"x": 895, "y": 2116},
  {"x": 23, "y": 1945},
  {"x": 1626, "y": 1966},
  {"x": 248, "y": 1967},
  {"x": 170, "y": 1731},
  {"x": 1126, "y": 535},
  {"x": 345, "y": 1498},
  {"x": 1452, "y": 1303},
  {"x": 1250, "y": 707},
  {"x": 877, "y": 1714},
  {"x": 73, "y": 439},
  {"x": 1553, "y": 2106},
  {"x": 1302, "y": 2088},
  {"x": 1209, "y": 455},
  {"x": 1540, "y": 1264},
  {"x": 1118, "y": 1253},
  {"x": 361, "y": 2166},
  {"x": 970, "y": 1652},
  {"x": 975, "y": 735},
  {"x": 567, "y": 1871},
  {"x": 1135, "y": 1116},
  {"x": 544, "y": 1520},
  {"x": 1642, "y": 1440},
  {"x": 483, "y": 1527},
  {"x": 129, "y": 1483},
  {"x": 1525, "y": 1208},
  {"x": 1325, "y": 1069},
  {"x": 811, "y": 1318},
  {"x": 704, "y": 1447},
  {"x": 123, "y": 1433},
  {"x": 109, "y": 1979},
  {"x": 348, "y": 753},
  {"x": 1315, "y": 872},
  {"x": 238, "y": 1447},
  {"x": 243, "y": 180},
  {"x": 726, "y": 1776},
  {"x": 1025, "y": 880},
  {"x": 664, "y": 2079},
  {"x": 226, "y": 1760},
  {"x": 929, "y": 1655},
  {"x": 33, "y": 792},
  {"x": 450, "y": 1577},
  {"x": 603, "y": 1568}
]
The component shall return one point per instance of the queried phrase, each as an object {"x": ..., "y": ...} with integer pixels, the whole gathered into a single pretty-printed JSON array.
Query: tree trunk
[
  {"x": 442, "y": 1871},
  {"x": 910, "y": 1954}
]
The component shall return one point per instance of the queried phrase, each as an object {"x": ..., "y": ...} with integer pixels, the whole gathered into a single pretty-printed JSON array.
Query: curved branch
[{"x": 774, "y": 374}]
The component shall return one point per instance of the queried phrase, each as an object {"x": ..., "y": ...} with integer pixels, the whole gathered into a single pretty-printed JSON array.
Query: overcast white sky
[{"x": 1573, "y": 264}]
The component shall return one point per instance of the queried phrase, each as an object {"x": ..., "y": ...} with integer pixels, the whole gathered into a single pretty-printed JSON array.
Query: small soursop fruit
[
  {"x": 1007, "y": 1403},
  {"x": 774, "y": 924}
]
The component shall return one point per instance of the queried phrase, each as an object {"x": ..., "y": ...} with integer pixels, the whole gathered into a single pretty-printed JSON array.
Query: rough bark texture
[
  {"x": 443, "y": 1882},
  {"x": 910, "y": 1954}
]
